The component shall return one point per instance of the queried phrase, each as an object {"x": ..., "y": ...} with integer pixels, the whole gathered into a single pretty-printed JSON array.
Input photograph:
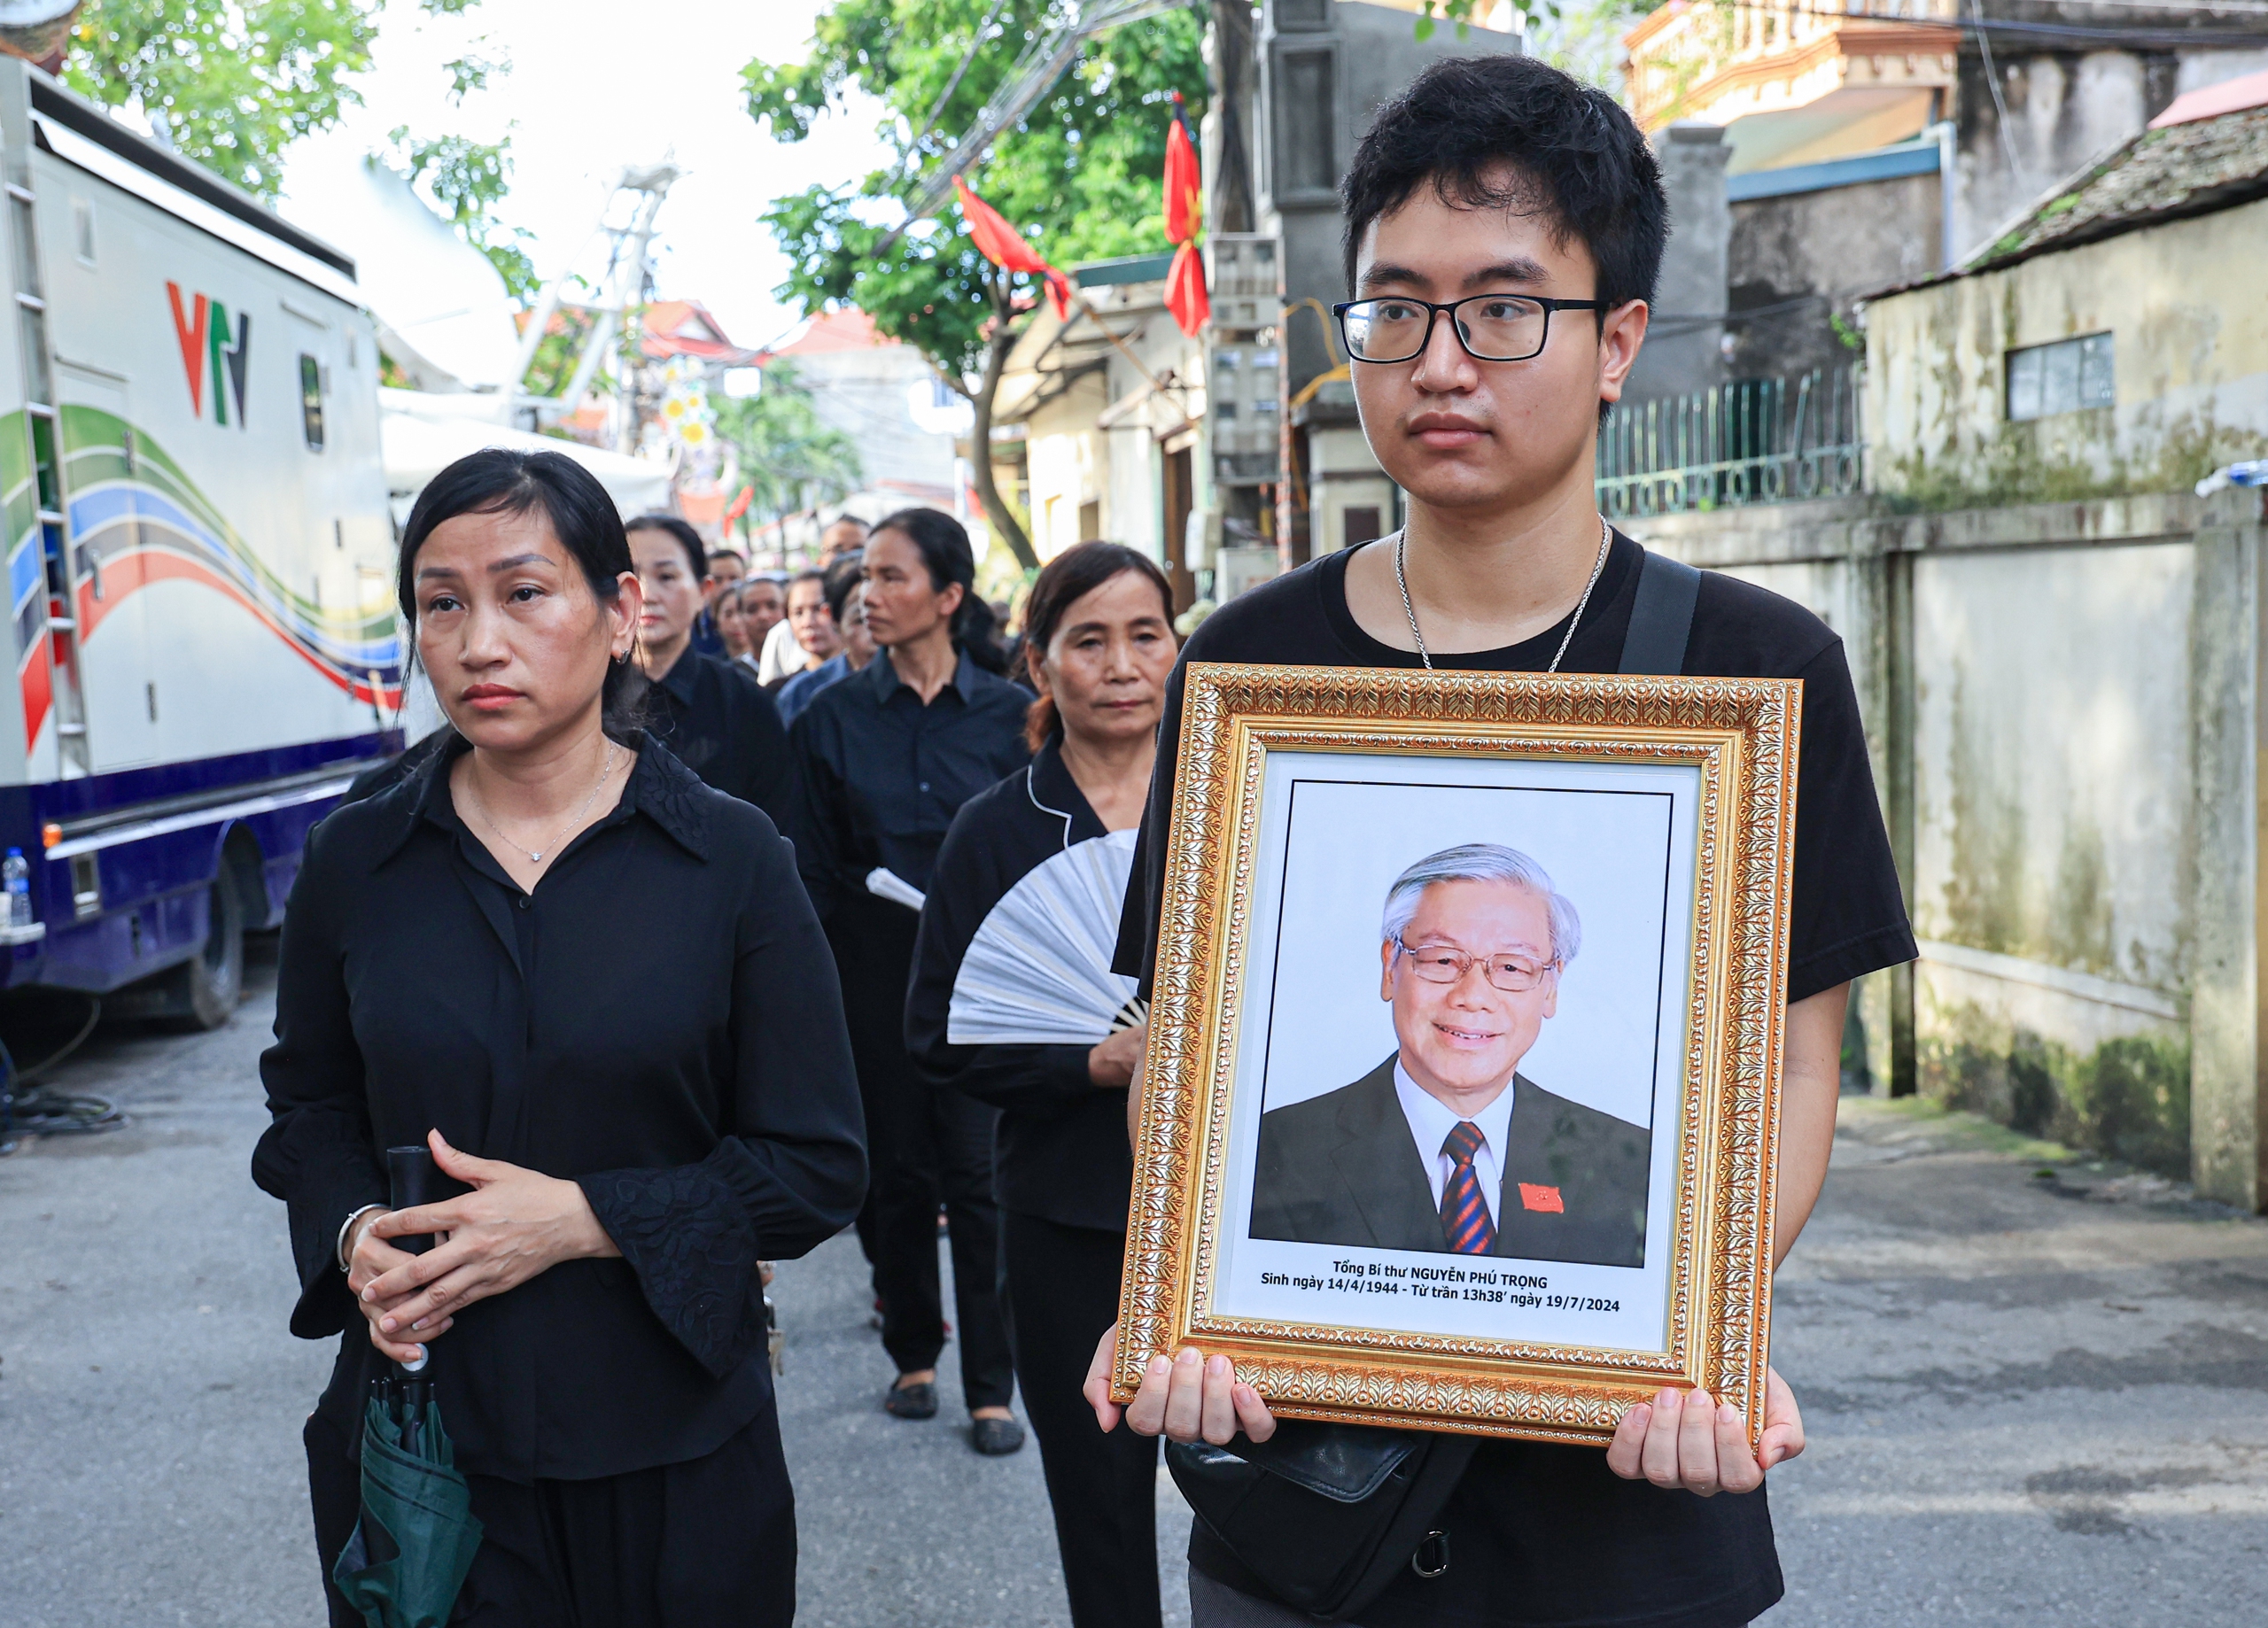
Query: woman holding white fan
[{"x": 1013, "y": 1001}]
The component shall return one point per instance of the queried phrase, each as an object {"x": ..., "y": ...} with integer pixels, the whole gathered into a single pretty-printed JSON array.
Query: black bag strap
[{"x": 1661, "y": 617}]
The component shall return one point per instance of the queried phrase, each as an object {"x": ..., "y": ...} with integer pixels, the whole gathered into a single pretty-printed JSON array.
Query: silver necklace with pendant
[
  {"x": 1402, "y": 542},
  {"x": 574, "y": 821}
]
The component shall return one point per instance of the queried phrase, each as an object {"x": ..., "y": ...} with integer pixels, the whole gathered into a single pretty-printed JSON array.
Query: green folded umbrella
[{"x": 416, "y": 1537}]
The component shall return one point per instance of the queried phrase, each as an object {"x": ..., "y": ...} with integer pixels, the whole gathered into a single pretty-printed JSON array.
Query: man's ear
[
  {"x": 1620, "y": 335},
  {"x": 1385, "y": 970},
  {"x": 1551, "y": 995}
]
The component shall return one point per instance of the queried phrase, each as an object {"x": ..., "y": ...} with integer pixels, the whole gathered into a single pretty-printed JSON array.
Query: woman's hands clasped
[
  {"x": 515, "y": 1224},
  {"x": 1679, "y": 1439}
]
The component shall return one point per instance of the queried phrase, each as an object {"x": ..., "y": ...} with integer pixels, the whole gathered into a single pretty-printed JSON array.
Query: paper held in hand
[{"x": 886, "y": 884}]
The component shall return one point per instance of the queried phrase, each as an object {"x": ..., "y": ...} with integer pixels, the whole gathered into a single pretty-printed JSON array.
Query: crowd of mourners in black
[{"x": 661, "y": 946}]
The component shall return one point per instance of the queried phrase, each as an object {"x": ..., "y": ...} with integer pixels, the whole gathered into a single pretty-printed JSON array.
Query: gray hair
[{"x": 1482, "y": 862}]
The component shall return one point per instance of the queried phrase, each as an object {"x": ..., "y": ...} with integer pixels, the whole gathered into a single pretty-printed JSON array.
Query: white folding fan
[{"x": 1038, "y": 973}]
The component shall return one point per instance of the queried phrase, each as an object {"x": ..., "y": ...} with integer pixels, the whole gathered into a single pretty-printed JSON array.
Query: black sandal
[{"x": 914, "y": 1402}]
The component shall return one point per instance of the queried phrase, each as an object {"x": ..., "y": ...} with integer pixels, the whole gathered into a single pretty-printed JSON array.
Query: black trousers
[
  {"x": 703, "y": 1544},
  {"x": 1061, "y": 1286},
  {"x": 925, "y": 1147}
]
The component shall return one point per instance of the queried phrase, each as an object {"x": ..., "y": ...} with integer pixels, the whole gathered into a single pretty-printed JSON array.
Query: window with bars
[{"x": 2064, "y": 378}]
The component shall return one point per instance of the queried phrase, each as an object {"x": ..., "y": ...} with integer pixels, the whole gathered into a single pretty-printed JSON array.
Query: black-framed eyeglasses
[
  {"x": 1447, "y": 964},
  {"x": 1491, "y": 327}
]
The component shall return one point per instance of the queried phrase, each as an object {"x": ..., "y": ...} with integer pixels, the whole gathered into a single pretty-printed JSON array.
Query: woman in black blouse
[
  {"x": 593, "y": 987},
  {"x": 888, "y": 755},
  {"x": 1039, "y": 863},
  {"x": 710, "y": 713}
]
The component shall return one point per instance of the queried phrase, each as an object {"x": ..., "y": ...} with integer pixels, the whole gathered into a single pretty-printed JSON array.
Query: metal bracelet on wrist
[{"x": 338, "y": 1250}]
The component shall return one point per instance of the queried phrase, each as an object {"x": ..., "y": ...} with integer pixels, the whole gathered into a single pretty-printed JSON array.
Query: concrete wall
[
  {"x": 1367, "y": 54},
  {"x": 1836, "y": 246},
  {"x": 1068, "y": 464},
  {"x": 1683, "y": 351},
  {"x": 868, "y": 395},
  {"x": 2066, "y": 107},
  {"x": 2190, "y": 332},
  {"x": 2062, "y": 701}
]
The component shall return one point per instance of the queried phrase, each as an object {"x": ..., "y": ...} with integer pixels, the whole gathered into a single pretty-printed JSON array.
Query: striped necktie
[{"x": 1464, "y": 1212}]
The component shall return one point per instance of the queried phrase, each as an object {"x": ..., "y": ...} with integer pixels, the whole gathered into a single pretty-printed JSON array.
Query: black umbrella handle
[{"x": 414, "y": 1179}]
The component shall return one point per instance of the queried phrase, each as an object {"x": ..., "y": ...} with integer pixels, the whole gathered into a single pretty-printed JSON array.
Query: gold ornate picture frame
[{"x": 1665, "y": 808}]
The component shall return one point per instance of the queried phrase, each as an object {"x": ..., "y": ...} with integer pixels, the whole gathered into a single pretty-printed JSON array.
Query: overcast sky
[{"x": 594, "y": 87}]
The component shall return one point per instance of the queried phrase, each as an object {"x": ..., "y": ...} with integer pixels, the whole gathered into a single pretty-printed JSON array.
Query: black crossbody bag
[{"x": 1326, "y": 1515}]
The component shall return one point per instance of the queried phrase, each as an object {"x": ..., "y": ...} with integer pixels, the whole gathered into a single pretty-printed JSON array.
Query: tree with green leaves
[
  {"x": 788, "y": 454},
  {"x": 1082, "y": 172},
  {"x": 232, "y": 85},
  {"x": 467, "y": 180}
]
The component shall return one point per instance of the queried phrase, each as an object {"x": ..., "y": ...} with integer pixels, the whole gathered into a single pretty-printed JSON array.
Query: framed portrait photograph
[{"x": 1461, "y": 1093}]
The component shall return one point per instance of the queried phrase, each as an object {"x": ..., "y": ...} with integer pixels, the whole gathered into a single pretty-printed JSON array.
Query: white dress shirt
[
  {"x": 1431, "y": 1121},
  {"x": 782, "y": 655}
]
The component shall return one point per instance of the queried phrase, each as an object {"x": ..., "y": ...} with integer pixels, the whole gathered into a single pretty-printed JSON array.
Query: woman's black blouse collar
[
  {"x": 660, "y": 788},
  {"x": 882, "y": 674},
  {"x": 1054, "y": 791}
]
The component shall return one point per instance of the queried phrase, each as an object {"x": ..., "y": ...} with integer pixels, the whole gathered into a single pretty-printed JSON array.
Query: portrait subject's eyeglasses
[
  {"x": 1491, "y": 327},
  {"x": 1443, "y": 964}
]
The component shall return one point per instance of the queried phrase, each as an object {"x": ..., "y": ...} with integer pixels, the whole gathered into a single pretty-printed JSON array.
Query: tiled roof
[
  {"x": 2182, "y": 169},
  {"x": 847, "y": 329}
]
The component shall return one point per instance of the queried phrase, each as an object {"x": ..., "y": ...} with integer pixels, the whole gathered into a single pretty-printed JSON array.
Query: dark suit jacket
[{"x": 1343, "y": 1168}]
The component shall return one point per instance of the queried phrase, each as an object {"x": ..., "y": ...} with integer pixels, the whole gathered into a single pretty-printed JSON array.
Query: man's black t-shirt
[{"x": 1543, "y": 1535}]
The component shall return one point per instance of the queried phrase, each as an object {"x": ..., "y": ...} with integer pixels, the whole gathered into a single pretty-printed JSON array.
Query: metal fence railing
[{"x": 1751, "y": 441}]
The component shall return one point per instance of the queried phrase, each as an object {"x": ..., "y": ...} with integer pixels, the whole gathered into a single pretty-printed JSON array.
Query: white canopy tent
[{"x": 422, "y": 437}]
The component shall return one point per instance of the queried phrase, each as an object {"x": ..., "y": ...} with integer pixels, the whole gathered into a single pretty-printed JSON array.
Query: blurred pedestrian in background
[
  {"x": 845, "y": 534},
  {"x": 842, "y": 586},
  {"x": 858, "y": 647},
  {"x": 763, "y": 605},
  {"x": 888, "y": 757},
  {"x": 711, "y": 714},
  {"x": 810, "y": 637},
  {"x": 1033, "y": 872},
  {"x": 731, "y": 618},
  {"x": 592, "y": 987},
  {"x": 721, "y": 570}
]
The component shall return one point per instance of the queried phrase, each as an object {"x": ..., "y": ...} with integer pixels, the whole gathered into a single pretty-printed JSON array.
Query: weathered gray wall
[
  {"x": 2065, "y": 726},
  {"x": 1683, "y": 347},
  {"x": 1320, "y": 87},
  {"x": 1826, "y": 248},
  {"x": 2069, "y": 102}
]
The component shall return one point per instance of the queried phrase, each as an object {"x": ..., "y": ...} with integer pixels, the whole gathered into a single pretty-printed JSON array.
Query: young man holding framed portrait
[{"x": 1504, "y": 231}]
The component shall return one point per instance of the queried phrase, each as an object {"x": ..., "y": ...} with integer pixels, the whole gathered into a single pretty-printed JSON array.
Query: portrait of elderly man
[{"x": 1445, "y": 1146}]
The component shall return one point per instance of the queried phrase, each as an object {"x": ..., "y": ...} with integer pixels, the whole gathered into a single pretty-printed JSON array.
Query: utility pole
[{"x": 1228, "y": 191}]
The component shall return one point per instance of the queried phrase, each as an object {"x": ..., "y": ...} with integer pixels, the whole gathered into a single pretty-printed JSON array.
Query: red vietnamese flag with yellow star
[
  {"x": 1186, "y": 295},
  {"x": 1007, "y": 248}
]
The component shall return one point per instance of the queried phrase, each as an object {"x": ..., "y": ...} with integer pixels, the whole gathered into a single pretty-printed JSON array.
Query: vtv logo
[{"x": 207, "y": 335}]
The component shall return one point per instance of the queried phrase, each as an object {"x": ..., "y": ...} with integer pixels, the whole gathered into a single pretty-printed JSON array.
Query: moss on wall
[
  {"x": 2127, "y": 1098},
  {"x": 2071, "y": 458}
]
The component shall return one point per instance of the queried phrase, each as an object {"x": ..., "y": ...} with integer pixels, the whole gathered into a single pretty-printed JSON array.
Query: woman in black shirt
[
  {"x": 888, "y": 755},
  {"x": 553, "y": 948},
  {"x": 710, "y": 713},
  {"x": 1014, "y": 1003}
]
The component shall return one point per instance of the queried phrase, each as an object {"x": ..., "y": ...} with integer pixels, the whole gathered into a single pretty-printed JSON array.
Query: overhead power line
[
  {"x": 1979, "y": 25},
  {"x": 1044, "y": 61}
]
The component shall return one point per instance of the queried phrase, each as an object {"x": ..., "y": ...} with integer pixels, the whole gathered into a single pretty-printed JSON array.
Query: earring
[{"x": 621, "y": 658}]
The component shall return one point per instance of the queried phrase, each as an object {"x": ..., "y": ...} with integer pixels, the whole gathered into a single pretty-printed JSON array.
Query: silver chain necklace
[
  {"x": 1402, "y": 542},
  {"x": 574, "y": 821}
]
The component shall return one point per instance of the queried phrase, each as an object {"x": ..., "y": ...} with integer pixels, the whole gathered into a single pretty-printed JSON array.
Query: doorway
[{"x": 1180, "y": 499}]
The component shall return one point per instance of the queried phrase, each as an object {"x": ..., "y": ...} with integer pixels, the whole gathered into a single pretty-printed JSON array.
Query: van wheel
[{"x": 212, "y": 980}]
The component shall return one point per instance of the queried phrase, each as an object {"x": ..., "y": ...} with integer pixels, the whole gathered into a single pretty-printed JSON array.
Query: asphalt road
[{"x": 2030, "y": 1400}]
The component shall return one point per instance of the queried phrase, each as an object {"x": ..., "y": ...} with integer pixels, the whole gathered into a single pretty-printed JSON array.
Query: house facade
[{"x": 2058, "y": 645}]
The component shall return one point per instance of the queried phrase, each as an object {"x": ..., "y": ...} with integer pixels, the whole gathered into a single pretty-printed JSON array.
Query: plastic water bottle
[{"x": 17, "y": 871}]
